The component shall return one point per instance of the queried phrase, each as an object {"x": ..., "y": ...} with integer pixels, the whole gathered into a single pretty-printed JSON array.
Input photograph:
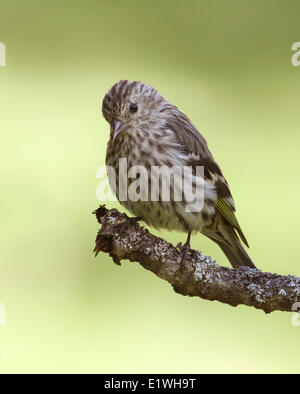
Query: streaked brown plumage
[{"x": 147, "y": 130}]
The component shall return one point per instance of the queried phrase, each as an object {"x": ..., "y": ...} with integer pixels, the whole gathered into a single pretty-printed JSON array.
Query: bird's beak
[{"x": 117, "y": 126}]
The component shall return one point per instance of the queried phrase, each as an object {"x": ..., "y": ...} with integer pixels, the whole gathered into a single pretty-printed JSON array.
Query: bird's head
[{"x": 130, "y": 106}]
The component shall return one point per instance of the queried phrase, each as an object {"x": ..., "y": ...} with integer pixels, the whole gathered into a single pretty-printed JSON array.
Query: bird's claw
[
  {"x": 179, "y": 246},
  {"x": 136, "y": 219},
  {"x": 185, "y": 250}
]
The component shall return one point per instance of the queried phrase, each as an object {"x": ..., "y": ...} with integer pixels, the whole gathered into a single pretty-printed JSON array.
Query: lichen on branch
[{"x": 124, "y": 239}]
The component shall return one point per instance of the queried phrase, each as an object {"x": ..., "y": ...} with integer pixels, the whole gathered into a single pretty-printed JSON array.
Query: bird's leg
[{"x": 185, "y": 249}]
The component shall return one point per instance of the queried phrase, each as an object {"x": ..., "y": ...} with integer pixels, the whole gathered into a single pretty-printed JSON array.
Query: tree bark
[{"x": 123, "y": 238}]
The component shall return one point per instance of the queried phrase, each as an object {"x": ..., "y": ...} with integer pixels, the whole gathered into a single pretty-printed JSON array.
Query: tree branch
[{"x": 123, "y": 238}]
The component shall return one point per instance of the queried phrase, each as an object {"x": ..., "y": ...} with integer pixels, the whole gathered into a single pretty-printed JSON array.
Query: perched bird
[{"x": 148, "y": 131}]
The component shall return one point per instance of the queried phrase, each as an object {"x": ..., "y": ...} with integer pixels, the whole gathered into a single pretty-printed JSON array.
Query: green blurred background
[{"x": 227, "y": 65}]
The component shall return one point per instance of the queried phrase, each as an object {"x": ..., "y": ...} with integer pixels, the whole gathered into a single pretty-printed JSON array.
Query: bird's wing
[{"x": 195, "y": 146}]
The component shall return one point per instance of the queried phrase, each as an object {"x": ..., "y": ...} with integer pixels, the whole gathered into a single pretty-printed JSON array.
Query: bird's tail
[
  {"x": 225, "y": 235},
  {"x": 236, "y": 254}
]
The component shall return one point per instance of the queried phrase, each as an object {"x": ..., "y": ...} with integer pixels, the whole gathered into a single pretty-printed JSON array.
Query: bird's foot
[
  {"x": 136, "y": 219},
  {"x": 185, "y": 250}
]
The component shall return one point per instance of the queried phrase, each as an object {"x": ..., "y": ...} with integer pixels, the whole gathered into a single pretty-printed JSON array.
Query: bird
[{"x": 149, "y": 132}]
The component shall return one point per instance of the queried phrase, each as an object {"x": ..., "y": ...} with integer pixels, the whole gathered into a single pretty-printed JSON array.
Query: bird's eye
[{"x": 133, "y": 108}]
